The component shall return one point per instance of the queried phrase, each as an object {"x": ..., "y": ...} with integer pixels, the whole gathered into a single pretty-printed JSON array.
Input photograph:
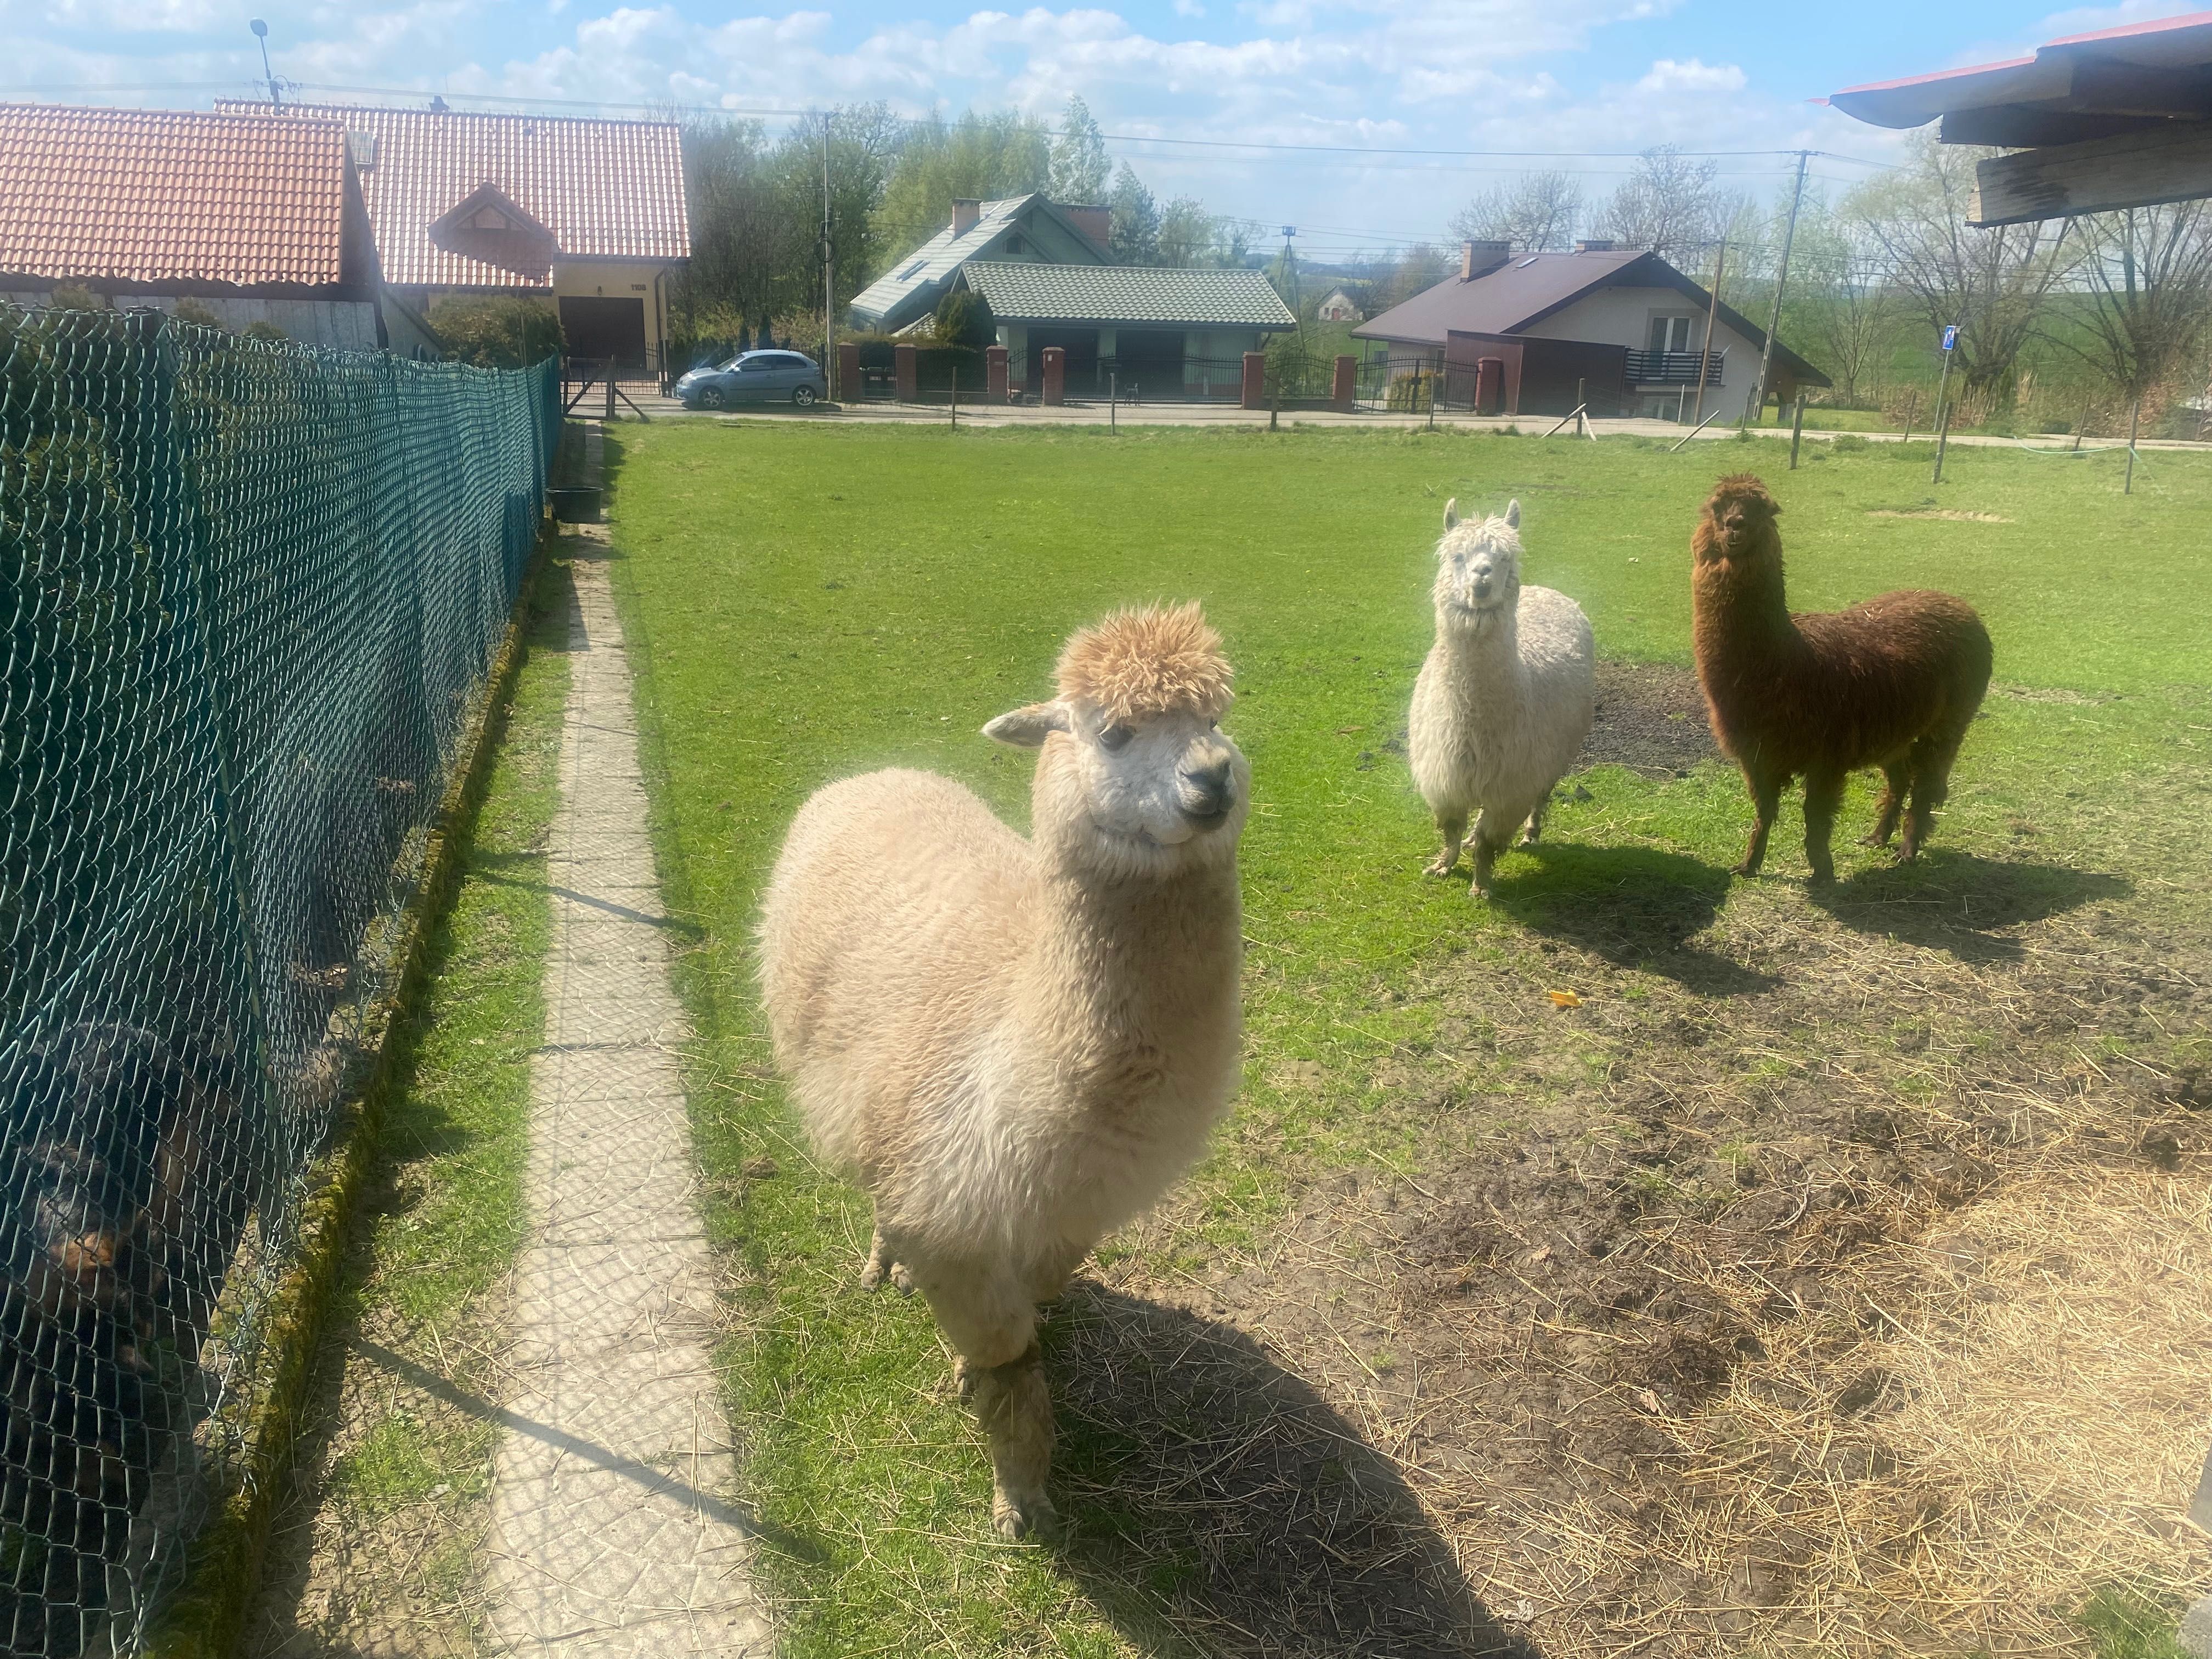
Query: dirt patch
[
  {"x": 1835, "y": 1290},
  {"x": 1650, "y": 719},
  {"x": 1953, "y": 514}
]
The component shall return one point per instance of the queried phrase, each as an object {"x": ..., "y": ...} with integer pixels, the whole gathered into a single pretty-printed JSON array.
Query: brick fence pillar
[
  {"x": 907, "y": 379},
  {"x": 848, "y": 373},
  {"x": 1345, "y": 390},
  {"x": 1055, "y": 375},
  {"x": 995, "y": 374},
  {"x": 1256, "y": 379}
]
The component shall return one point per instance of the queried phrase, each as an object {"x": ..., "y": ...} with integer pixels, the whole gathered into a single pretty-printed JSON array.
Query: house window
[
  {"x": 912, "y": 271},
  {"x": 1015, "y": 246},
  {"x": 1671, "y": 333},
  {"x": 488, "y": 219}
]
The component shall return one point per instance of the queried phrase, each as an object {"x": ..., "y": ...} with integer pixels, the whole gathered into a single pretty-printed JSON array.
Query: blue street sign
[{"x": 1950, "y": 337}]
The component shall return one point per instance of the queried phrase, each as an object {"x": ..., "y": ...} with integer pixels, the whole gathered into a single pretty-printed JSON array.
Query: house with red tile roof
[
  {"x": 256, "y": 222},
  {"x": 587, "y": 216},
  {"x": 1621, "y": 326}
]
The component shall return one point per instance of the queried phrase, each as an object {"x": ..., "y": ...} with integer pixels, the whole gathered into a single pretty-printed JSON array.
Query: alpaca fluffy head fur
[
  {"x": 1136, "y": 776},
  {"x": 1478, "y": 568},
  {"x": 1738, "y": 523}
]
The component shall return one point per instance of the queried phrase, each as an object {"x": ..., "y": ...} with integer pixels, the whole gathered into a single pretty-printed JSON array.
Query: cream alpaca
[
  {"x": 1505, "y": 698},
  {"x": 1016, "y": 1046}
]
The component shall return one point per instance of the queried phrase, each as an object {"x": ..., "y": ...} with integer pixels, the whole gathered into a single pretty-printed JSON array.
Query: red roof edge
[
  {"x": 2155, "y": 26},
  {"x": 1923, "y": 79}
]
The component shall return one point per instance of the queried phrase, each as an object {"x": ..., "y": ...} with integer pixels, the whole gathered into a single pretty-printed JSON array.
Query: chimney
[
  {"x": 1481, "y": 259},
  {"x": 966, "y": 210},
  {"x": 1095, "y": 223},
  {"x": 1594, "y": 245}
]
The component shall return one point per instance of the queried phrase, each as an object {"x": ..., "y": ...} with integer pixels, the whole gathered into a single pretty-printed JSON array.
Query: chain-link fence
[{"x": 250, "y": 595}]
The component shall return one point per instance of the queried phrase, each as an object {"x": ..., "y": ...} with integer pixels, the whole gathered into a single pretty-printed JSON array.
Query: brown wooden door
[{"x": 601, "y": 329}]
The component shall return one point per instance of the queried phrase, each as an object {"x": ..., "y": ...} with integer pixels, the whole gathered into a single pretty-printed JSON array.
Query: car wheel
[
  {"x": 804, "y": 397},
  {"x": 713, "y": 397}
]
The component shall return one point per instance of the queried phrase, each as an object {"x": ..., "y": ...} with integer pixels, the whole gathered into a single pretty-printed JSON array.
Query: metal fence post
[
  {"x": 2134, "y": 419},
  {"x": 1797, "y": 431}
]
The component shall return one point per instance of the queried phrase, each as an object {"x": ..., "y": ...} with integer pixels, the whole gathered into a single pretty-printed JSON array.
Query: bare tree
[
  {"x": 1671, "y": 205},
  {"x": 1993, "y": 284},
  {"x": 2148, "y": 274},
  {"x": 1418, "y": 268},
  {"x": 1187, "y": 232},
  {"x": 1080, "y": 166},
  {"x": 1537, "y": 212}
]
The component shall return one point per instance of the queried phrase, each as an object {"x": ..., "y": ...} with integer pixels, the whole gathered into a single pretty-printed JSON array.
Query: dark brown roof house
[
  {"x": 1623, "y": 328},
  {"x": 251, "y": 221}
]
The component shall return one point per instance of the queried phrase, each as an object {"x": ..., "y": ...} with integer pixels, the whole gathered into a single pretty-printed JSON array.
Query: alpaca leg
[
  {"x": 1765, "y": 801},
  {"x": 1014, "y": 1405},
  {"x": 1824, "y": 794},
  {"x": 1453, "y": 827},
  {"x": 990, "y": 1322},
  {"x": 1930, "y": 762},
  {"x": 882, "y": 1265},
  {"x": 1492, "y": 835},
  {"x": 1897, "y": 778},
  {"x": 1535, "y": 829}
]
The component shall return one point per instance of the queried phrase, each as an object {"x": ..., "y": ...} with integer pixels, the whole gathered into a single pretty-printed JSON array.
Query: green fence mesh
[{"x": 249, "y": 594}]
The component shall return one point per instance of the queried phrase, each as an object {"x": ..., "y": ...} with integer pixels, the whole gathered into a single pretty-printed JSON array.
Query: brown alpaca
[{"x": 1892, "y": 683}]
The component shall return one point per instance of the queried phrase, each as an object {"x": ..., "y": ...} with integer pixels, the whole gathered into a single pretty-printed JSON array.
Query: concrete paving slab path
[{"x": 614, "y": 1530}]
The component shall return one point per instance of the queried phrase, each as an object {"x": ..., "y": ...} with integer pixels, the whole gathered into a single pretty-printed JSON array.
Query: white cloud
[
  {"x": 1189, "y": 8},
  {"x": 1668, "y": 75}
]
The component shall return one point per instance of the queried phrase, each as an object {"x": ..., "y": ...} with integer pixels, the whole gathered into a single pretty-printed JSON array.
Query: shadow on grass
[
  {"x": 1955, "y": 902},
  {"x": 1634, "y": 906},
  {"x": 1214, "y": 1504}
]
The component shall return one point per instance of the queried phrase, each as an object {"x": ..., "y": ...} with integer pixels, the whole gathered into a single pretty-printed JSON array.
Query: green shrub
[
  {"x": 75, "y": 296},
  {"x": 1848, "y": 443},
  {"x": 497, "y": 332},
  {"x": 268, "y": 331},
  {"x": 195, "y": 310},
  {"x": 934, "y": 367}
]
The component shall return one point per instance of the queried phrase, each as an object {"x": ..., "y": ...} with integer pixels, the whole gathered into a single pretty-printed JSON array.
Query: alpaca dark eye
[{"x": 1114, "y": 738}]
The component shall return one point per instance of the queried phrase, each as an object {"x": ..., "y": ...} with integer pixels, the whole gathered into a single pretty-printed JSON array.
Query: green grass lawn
[
  {"x": 378, "y": 1548},
  {"x": 805, "y": 602}
]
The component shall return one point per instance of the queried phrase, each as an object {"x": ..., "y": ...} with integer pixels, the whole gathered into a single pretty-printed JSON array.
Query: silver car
[{"x": 755, "y": 377}]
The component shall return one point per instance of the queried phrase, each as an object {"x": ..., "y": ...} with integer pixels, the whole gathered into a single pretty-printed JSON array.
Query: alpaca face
[
  {"x": 1152, "y": 795},
  {"x": 1478, "y": 568},
  {"x": 1742, "y": 515}
]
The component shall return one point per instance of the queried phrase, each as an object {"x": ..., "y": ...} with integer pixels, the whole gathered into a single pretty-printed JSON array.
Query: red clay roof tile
[{"x": 147, "y": 196}]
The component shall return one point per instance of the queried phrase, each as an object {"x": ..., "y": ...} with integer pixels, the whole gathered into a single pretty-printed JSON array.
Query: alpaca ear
[
  {"x": 1026, "y": 728},
  {"x": 1513, "y": 515},
  {"x": 1451, "y": 513}
]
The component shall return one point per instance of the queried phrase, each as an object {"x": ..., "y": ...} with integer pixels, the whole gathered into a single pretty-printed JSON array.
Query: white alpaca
[
  {"x": 1016, "y": 1046},
  {"x": 1505, "y": 698}
]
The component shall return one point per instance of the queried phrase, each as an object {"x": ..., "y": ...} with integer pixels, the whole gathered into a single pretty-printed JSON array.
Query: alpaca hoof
[
  {"x": 1822, "y": 878},
  {"x": 964, "y": 1380},
  {"x": 1016, "y": 1516},
  {"x": 1874, "y": 840},
  {"x": 871, "y": 1276},
  {"x": 1439, "y": 866},
  {"x": 902, "y": 1280}
]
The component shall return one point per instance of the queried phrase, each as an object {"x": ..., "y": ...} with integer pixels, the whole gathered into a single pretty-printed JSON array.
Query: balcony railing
[{"x": 1674, "y": 367}]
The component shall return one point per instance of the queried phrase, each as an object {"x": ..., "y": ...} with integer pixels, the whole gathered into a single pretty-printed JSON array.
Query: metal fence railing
[{"x": 250, "y": 595}]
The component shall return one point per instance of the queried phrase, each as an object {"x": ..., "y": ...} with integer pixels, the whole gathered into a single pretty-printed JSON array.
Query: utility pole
[
  {"x": 1781, "y": 275},
  {"x": 1712, "y": 314},
  {"x": 828, "y": 277},
  {"x": 1942, "y": 408},
  {"x": 261, "y": 34}
]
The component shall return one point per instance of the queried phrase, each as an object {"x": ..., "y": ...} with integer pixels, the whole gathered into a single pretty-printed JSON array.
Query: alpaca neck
[
  {"x": 1484, "y": 652},
  {"x": 1126, "y": 965},
  {"x": 1741, "y": 609}
]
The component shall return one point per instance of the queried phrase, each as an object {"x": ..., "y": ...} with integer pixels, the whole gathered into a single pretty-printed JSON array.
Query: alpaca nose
[{"x": 1208, "y": 792}]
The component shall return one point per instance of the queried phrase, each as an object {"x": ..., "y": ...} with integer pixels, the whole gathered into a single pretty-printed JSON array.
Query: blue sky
[{"x": 1582, "y": 75}]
